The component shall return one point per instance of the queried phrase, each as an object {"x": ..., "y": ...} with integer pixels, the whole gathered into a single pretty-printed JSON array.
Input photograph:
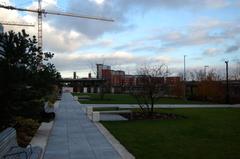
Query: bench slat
[{"x": 8, "y": 139}]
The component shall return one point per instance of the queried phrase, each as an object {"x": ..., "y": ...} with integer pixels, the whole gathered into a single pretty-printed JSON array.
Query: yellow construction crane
[{"x": 41, "y": 11}]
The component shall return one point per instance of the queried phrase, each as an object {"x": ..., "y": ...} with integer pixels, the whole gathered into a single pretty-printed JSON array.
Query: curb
[
  {"x": 41, "y": 137},
  {"x": 123, "y": 152}
]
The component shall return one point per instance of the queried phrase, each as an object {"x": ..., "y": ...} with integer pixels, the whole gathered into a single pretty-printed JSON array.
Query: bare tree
[
  {"x": 200, "y": 75},
  {"x": 92, "y": 65},
  {"x": 235, "y": 74},
  {"x": 213, "y": 75},
  {"x": 150, "y": 87}
]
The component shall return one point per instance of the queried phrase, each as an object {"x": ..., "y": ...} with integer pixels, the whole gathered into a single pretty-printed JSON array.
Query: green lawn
[
  {"x": 205, "y": 134},
  {"x": 127, "y": 99}
]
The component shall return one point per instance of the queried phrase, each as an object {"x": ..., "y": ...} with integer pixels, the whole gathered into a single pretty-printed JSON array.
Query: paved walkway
[{"x": 74, "y": 136}]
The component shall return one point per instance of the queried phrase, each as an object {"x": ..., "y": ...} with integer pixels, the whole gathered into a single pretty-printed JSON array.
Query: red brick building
[
  {"x": 172, "y": 80},
  {"x": 117, "y": 81}
]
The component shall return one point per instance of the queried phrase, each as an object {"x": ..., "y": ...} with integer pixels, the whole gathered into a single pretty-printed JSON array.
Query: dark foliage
[{"x": 26, "y": 77}]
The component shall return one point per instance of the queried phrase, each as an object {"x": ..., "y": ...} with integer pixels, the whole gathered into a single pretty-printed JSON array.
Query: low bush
[
  {"x": 26, "y": 128},
  {"x": 32, "y": 109},
  {"x": 47, "y": 117}
]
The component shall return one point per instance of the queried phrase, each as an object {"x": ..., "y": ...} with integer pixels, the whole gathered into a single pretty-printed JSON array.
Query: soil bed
[{"x": 155, "y": 116}]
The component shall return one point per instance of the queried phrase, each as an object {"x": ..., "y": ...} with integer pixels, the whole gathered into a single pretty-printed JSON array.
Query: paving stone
[{"x": 74, "y": 136}]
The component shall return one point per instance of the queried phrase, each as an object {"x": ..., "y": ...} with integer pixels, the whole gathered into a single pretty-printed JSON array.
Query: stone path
[{"x": 74, "y": 136}]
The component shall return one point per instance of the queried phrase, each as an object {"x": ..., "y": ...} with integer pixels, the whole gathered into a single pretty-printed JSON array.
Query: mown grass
[
  {"x": 206, "y": 133},
  {"x": 127, "y": 99}
]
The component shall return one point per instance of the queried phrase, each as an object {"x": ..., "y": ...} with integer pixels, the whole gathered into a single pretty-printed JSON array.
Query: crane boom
[
  {"x": 57, "y": 13},
  {"x": 78, "y": 16},
  {"x": 17, "y": 24},
  {"x": 41, "y": 11}
]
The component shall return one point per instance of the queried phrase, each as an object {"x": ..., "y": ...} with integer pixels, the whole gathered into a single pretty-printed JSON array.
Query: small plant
[{"x": 26, "y": 128}]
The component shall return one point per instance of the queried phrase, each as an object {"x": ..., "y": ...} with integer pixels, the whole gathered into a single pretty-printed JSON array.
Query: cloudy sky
[{"x": 144, "y": 31}]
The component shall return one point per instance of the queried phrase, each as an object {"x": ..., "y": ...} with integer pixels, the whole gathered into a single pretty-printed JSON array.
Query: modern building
[
  {"x": 130, "y": 80},
  {"x": 118, "y": 82},
  {"x": 172, "y": 80},
  {"x": 101, "y": 67}
]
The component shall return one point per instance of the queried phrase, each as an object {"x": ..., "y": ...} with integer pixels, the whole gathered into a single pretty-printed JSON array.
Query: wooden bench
[{"x": 9, "y": 148}]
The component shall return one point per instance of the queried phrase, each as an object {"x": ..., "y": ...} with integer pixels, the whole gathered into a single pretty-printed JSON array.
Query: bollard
[
  {"x": 95, "y": 116},
  {"x": 84, "y": 110},
  {"x": 89, "y": 112},
  {"x": 75, "y": 98}
]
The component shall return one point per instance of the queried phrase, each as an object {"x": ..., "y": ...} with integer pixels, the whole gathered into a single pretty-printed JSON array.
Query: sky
[{"x": 143, "y": 32}]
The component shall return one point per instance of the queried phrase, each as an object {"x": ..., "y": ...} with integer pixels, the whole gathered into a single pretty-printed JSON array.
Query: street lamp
[
  {"x": 227, "y": 84},
  {"x": 184, "y": 78},
  {"x": 184, "y": 71},
  {"x": 205, "y": 71}
]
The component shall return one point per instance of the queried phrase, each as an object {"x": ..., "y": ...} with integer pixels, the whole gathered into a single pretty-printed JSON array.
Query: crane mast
[{"x": 40, "y": 43}]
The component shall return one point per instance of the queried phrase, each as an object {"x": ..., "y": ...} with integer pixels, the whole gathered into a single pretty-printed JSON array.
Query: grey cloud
[
  {"x": 197, "y": 58},
  {"x": 105, "y": 43},
  {"x": 171, "y": 40},
  {"x": 122, "y": 47},
  {"x": 119, "y": 10},
  {"x": 200, "y": 34},
  {"x": 83, "y": 62},
  {"x": 137, "y": 48},
  {"x": 134, "y": 44},
  {"x": 145, "y": 48},
  {"x": 212, "y": 52},
  {"x": 232, "y": 49},
  {"x": 191, "y": 38},
  {"x": 93, "y": 28},
  {"x": 117, "y": 60},
  {"x": 152, "y": 48}
]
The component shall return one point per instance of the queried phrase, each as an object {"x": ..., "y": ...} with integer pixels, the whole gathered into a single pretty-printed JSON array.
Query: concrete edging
[
  {"x": 41, "y": 137},
  {"x": 123, "y": 152},
  {"x": 167, "y": 105}
]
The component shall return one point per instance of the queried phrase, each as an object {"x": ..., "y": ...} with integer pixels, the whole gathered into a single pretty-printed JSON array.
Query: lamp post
[
  {"x": 184, "y": 71},
  {"x": 184, "y": 78},
  {"x": 227, "y": 84},
  {"x": 205, "y": 71}
]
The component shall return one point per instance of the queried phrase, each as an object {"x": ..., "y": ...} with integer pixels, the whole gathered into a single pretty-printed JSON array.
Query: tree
[
  {"x": 26, "y": 75},
  {"x": 235, "y": 74},
  {"x": 150, "y": 87}
]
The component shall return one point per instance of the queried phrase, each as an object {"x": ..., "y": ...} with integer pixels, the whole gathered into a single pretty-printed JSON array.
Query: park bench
[{"x": 9, "y": 148}]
